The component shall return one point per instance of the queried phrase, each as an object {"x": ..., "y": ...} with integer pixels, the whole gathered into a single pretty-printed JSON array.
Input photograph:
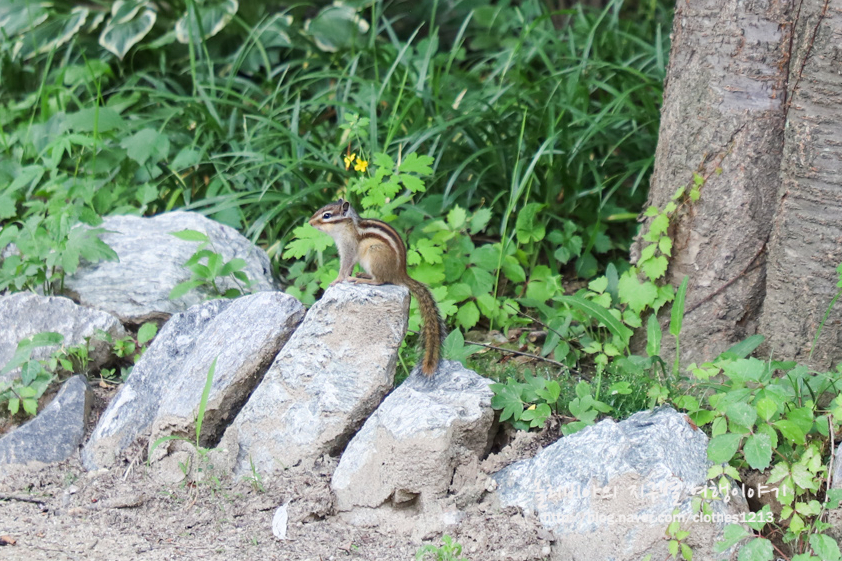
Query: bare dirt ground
[{"x": 62, "y": 512}]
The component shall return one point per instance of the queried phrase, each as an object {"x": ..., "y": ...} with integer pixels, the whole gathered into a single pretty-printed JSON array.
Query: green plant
[
  {"x": 448, "y": 551},
  {"x": 23, "y": 390},
  {"x": 130, "y": 348},
  {"x": 215, "y": 266},
  {"x": 201, "y": 451},
  {"x": 255, "y": 479}
]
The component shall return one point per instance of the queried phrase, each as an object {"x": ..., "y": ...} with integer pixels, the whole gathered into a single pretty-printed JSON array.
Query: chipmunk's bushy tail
[{"x": 433, "y": 331}]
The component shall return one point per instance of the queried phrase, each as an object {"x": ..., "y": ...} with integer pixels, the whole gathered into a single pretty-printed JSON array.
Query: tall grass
[{"x": 514, "y": 103}]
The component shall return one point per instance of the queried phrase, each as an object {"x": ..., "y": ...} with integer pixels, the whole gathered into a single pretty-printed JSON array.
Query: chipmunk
[{"x": 379, "y": 249}]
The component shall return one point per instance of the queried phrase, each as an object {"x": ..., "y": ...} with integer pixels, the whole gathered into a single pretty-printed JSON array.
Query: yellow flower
[
  {"x": 349, "y": 160},
  {"x": 361, "y": 165}
]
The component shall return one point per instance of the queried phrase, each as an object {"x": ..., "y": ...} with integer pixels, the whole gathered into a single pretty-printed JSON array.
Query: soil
[{"x": 61, "y": 512}]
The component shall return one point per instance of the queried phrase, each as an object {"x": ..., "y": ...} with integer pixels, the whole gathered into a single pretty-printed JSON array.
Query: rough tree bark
[{"x": 752, "y": 102}]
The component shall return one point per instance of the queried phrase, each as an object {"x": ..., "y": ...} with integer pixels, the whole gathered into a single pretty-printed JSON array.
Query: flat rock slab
[
  {"x": 410, "y": 448},
  {"x": 608, "y": 490},
  {"x": 56, "y": 432},
  {"x": 24, "y": 314},
  {"x": 326, "y": 381},
  {"x": 151, "y": 262},
  {"x": 162, "y": 394}
]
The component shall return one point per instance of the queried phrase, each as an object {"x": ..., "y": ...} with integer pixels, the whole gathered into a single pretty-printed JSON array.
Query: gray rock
[
  {"x": 23, "y": 314},
  {"x": 56, "y": 432},
  {"x": 136, "y": 288},
  {"x": 607, "y": 490},
  {"x": 162, "y": 394},
  {"x": 329, "y": 377},
  {"x": 412, "y": 445}
]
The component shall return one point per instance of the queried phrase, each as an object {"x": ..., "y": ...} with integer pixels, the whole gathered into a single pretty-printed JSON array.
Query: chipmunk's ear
[{"x": 345, "y": 206}]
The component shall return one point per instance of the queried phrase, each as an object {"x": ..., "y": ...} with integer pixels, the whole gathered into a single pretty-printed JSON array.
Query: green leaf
[
  {"x": 123, "y": 31},
  {"x": 508, "y": 399},
  {"x": 758, "y": 549},
  {"x": 722, "y": 448},
  {"x": 101, "y": 119},
  {"x": 236, "y": 264},
  {"x": 758, "y": 451},
  {"x": 191, "y": 236},
  {"x": 766, "y": 408},
  {"x": 146, "y": 332},
  {"x": 214, "y": 15},
  {"x": 512, "y": 269},
  {"x": 415, "y": 163},
  {"x": 655, "y": 267},
  {"x": 825, "y": 547},
  {"x": 480, "y": 281},
  {"x": 653, "y": 336},
  {"x": 599, "y": 284},
  {"x": 203, "y": 402},
  {"x": 30, "y": 405},
  {"x": 742, "y": 414},
  {"x": 659, "y": 225},
  {"x": 746, "y": 347},
  {"x": 528, "y": 227},
  {"x": 485, "y": 257},
  {"x": 677, "y": 315},
  {"x": 454, "y": 347},
  {"x": 468, "y": 315},
  {"x": 600, "y": 314},
  {"x": 146, "y": 145},
  {"x": 480, "y": 220},
  {"x": 456, "y": 217},
  {"x": 790, "y": 431},
  {"x": 634, "y": 293},
  {"x": 183, "y": 288}
]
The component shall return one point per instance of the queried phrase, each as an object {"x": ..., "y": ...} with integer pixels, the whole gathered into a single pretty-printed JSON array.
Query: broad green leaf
[
  {"x": 655, "y": 267},
  {"x": 485, "y": 257},
  {"x": 790, "y": 431},
  {"x": 146, "y": 332},
  {"x": 758, "y": 549},
  {"x": 480, "y": 220},
  {"x": 825, "y": 547},
  {"x": 125, "y": 30},
  {"x": 742, "y": 414},
  {"x": 766, "y": 408},
  {"x": 722, "y": 448},
  {"x": 512, "y": 269},
  {"x": 146, "y": 145},
  {"x": 236, "y": 264},
  {"x": 183, "y": 288},
  {"x": 100, "y": 119},
  {"x": 456, "y": 217},
  {"x": 214, "y": 15},
  {"x": 468, "y": 315},
  {"x": 416, "y": 163},
  {"x": 758, "y": 451},
  {"x": 306, "y": 239},
  {"x": 508, "y": 399},
  {"x": 634, "y": 293},
  {"x": 659, "y": 225},
  {"x": 528, "y": 227}
]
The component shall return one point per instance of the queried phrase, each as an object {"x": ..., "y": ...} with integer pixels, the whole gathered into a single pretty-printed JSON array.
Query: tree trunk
[
  {"x": 762, "y": 243},
  {"x": 806, "y": 243}
]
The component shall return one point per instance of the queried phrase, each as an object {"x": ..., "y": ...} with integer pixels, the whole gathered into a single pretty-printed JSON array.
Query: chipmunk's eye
[{"x": 326, "y": 215}]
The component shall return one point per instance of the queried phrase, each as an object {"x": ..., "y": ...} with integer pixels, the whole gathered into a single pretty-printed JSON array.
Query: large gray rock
[
  {"x": 24, "y": 314},
  {"x": 409, "y": 449},
  {"x": 162, "y": 394},
  {"x": 151, "y": 262},
  {"x": 56, "y": 432},
  {"x": 329, "y": 377},
  {"x": 607, "y": 490}
]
